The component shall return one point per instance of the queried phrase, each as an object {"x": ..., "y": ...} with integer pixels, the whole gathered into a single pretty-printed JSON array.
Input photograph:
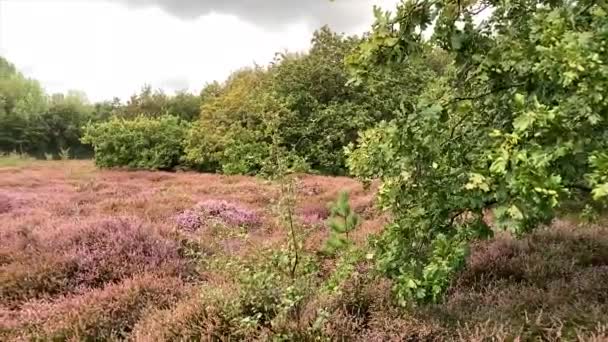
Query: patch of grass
[{"x": 15, "y": 159}]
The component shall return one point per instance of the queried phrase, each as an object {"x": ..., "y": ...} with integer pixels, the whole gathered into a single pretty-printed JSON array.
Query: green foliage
[
  {"x": 513, "y": 125},
  {"x": 324, "y": 113},
  {"x": 285, "y": 207},
  {"x": 341, "y": 222},
  {"x": 22, "y": 101},
  {"x": 140, "y": 143},
  {"x": 233, "y": 134},
  {"x": 346, "y": 266},
  {"x": 270, "y": 292},
  {"x": 14, "y": 159},
  {"x": 34, "y": 123},
  {"x": 155, "y": 103},
  {"x": 300, "y": 104},
  {"x": 267, "y": 295},
  {"x": 244, "y": 157},
  {"x": 63, "y": 122},
  {"x": 64, "y": 154}
]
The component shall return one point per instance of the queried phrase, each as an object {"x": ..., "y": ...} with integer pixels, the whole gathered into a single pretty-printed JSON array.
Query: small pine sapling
[
  {"x": 341, "y": 222},
  {"x": 64, "y": 154}
]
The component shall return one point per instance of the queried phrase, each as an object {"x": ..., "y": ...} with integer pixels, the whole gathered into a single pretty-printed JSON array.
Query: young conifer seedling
[{"x": 341, "y": 222}]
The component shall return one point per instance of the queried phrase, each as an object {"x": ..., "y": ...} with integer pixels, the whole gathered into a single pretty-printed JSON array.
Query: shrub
[
  {"x": 500, "y": 130},
  {"x": 141, "y": 143},
  {"x": 210, "y": 212},
  {"x": 202, "y": 149},
  {"x": 232, "y": 132},
  {"x": 208, "y": 315},
  {"x": 83, "y": 256},
  {"x": 266, "y": 297},
  {"x": 236, "y": 151},
  {"x": 5, "y": 204},
  {"x": 245, "y": 157},
  {"x": 112, "y": 249},
  {"x": 229, "y": 213},
  {"x": 103, "y": 314},
  {"x": 189, "y": 220},
  {"x": 216, "y": 211},
  {"x": 341, "y": 222}
]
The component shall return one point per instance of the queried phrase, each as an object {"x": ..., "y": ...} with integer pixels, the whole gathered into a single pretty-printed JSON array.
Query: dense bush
[
  {"x": 139, "y": 143},
  {"x": 234, "y": 132},
  {"x": 22, "y": 102},
  {"x": 516, "y": 125},
  {"x": 63, "y": 123}
]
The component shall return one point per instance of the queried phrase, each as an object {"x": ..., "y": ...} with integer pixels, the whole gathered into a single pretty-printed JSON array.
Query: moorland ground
[{"x": 88, "y": 254}]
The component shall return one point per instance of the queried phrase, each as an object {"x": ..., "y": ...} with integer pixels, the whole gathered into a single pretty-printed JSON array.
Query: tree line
[
  {"x": 300, "y": 104},
  {"x": 36, "y": 123}
]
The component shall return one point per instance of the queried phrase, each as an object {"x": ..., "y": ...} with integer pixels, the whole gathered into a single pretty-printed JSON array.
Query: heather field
[{"x": 95, "y": 255}]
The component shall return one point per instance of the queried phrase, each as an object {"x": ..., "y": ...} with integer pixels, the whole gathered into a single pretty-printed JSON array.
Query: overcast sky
[{"x": 111, "y": 48}]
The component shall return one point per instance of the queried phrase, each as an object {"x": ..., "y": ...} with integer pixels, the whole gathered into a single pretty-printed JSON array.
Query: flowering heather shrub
[
  {"x": 5, "y": 204},
  {"x": 90, "y": 255},
  {"x": 112, "y": 249},
  {"x": 189, "y": 220},
  {"x": 216, "y": 210},
  {"x": 229, "y": 213},
  {"x": 97, "y": 315}
]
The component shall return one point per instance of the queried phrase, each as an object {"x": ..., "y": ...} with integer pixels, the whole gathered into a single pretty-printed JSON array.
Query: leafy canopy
[{"x": 516, "y": 125}]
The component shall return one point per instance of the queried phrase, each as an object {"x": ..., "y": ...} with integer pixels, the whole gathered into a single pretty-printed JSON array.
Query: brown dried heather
[
  {"x": 551, "y": 285},
  {"x": 312, "y": 214},
  {"x": 42, "y": 277},
  {"x": 103, "y": 314},
  {"x": 197, "y": 318}
]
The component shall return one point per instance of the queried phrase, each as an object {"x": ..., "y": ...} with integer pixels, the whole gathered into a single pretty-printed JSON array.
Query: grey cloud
[{"x": 339, "y": 14}]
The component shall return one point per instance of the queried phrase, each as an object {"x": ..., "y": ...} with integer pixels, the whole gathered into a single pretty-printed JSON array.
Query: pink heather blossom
[
  {"x": 189, "y": 220},
  {"x": 230, "y": 213},
  {"x": 5, "y": 204},
  {"x": 219, "y": 210}
]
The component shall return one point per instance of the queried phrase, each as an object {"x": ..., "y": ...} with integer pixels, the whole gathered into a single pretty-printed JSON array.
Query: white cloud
[{"x": 107, "y": 49}]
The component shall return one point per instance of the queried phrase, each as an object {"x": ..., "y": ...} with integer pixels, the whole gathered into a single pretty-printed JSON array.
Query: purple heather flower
[
  {"x": 189, "y": 220},
  {"x": 229, "y": 213},
  {"x": 5, "y": 204}
]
